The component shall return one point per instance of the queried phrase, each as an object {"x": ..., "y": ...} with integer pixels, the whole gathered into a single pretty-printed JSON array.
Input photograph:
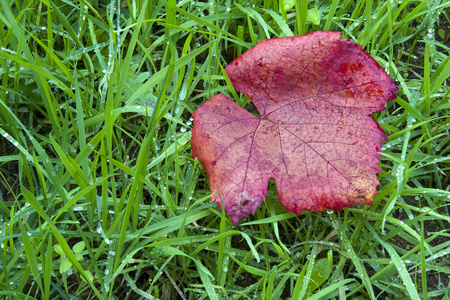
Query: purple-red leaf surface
[{"x": 315, "y": 136}]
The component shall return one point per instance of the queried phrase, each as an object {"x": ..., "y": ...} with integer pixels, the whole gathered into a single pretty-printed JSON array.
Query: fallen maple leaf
[{"x": 315, "y": 136}]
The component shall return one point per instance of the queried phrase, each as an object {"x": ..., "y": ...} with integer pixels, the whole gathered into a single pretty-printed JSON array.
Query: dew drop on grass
[{"x": 425, "y": 209}]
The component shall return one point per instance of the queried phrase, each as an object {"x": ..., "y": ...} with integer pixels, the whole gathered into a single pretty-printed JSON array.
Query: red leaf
[{"x": 314, "y": 137}]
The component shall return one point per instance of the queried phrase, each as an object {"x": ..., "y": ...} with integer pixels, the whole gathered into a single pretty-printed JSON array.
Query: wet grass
[{"x": 99, "y": 194}]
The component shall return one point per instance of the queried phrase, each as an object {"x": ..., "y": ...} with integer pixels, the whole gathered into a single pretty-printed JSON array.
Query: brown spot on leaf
[{"x": 245, "y": 202}]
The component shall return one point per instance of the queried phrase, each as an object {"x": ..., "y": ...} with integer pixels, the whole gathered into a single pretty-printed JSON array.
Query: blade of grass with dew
[
  {"x": 399, "y": 264},
  {"x": 31, "y": 256}
]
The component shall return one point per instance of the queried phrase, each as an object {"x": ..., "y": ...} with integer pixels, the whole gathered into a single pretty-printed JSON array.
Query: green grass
[{"x": 96, "y": 100}]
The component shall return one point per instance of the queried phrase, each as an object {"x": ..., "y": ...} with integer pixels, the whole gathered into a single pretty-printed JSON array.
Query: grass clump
[{"x": 100, "y": 197}]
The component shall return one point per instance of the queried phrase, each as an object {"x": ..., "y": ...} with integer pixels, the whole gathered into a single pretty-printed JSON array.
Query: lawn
[{"x": 100, "y": 197}]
